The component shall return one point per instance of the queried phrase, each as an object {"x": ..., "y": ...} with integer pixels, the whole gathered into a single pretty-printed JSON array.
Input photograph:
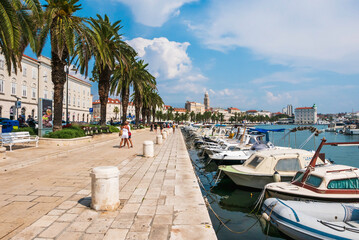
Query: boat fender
[
  {"x": 276, "y": 177},
  {"x": 265, "y": 217}
]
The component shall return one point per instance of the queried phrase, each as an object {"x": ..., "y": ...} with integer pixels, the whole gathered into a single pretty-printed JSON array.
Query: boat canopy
[{"x": 266, "y": 131}]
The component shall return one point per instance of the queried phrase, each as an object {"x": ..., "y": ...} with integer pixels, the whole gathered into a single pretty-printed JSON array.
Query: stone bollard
[
  {"x": 159, "y": 140},
  {"x": 105, "y": 187},
  {"x": 148, "y": 150},
  {"x": 164, "y": 134},
  {"x": 2, "y": 152}
]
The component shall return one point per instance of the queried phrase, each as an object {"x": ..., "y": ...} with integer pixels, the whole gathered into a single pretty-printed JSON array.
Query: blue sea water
[{"x": 234, "y": 205}]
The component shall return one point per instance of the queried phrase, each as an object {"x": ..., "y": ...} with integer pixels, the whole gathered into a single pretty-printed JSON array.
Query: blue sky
[{"x": 249, "y": 54}]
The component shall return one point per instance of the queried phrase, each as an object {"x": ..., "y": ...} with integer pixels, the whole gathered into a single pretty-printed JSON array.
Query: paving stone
[
  {"x": 137, "y": 236},
  {"x": 67, "y": 217},
  {"x": 54, "y": 230},
  {"x": 118, "y": 234},
  {"x": 28, "y": 233},
  {"x": 163, "y": 220},
  {"x": 70, "y": 236},
  {"x": 56, "y": 212},
  {"x": 130, "y": 208},
  {"x": 45, "y": 221},
  {"x": 23, "y": 198},
  {"x": 67, "y": 205},
  {"x": 78, "y": 226},
  {"x": 47, "y": 199},
  {"x": 159, "y": 232}
]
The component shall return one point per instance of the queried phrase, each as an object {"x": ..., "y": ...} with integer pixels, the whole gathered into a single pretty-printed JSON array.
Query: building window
[
  {"x": 52, "y": 95},
  {"x": 13, "y": 88},
  {"x": 69, "y": 98},
  {"x": 24, "y": 90},
  {"x": 74, "y": 102},
  {"x": 2, "y": 64},
  {"x": 33, "y": 92},
  {"x": 0, "y": 111},
  {"x": 34, "y": 75},
  {"x": 45, "y": 76},
  {"x": 78, "y": 102},
  {"x": 45, "y": 94},
  {"x": 24, "y": 71}
]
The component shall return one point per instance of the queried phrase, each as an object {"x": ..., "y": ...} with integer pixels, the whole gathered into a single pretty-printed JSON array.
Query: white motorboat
[
  {"x": 268, "y": 166},
  {"x": 329, "y": 183},
  {"x": 313, "y": 220}
]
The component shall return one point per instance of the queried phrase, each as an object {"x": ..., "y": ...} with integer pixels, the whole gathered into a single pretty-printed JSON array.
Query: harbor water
[{"x": 231, "y": 206}]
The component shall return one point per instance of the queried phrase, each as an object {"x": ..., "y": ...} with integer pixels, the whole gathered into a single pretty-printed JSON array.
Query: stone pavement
[{"x": 160, "y": 196}]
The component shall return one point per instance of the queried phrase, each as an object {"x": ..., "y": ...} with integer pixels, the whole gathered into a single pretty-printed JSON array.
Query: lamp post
[
  {"x": 17, "y": 99},
  {"x": 67, "y": 89}
]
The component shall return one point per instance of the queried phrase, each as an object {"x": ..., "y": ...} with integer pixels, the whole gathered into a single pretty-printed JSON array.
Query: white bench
[{"x": 12, "y": 138}]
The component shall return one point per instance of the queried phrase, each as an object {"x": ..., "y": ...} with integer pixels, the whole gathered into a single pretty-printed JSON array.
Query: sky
[{"x": 249, "y": 54}]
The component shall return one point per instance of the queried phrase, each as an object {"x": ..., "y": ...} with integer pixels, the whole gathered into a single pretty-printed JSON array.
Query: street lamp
[
  {"x": 17, "y": 99},
  {"x": 67, "y": 90}
]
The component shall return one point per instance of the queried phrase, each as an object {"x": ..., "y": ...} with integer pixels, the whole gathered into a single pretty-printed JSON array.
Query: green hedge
[
  {"x": 26, "y": 129},
  {"x": 114, "y": 129},
  {"x": 70, "y": 132}
]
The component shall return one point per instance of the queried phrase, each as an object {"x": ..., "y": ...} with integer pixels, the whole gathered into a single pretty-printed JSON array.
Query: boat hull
[
  {"x": 254, "y": 181},
  {"x": 312, "y": 220},
  {"x": 271, "y": 193}
]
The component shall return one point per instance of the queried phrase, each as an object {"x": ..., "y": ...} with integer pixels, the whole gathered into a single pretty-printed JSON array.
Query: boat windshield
[
  {"x": 255, "y": 161},
  {"x": 287, "y": 165},
  {"x": 314, "y": 181},
  {"x": 350, "y": 183},
  {"x": 298, "y": 177}
]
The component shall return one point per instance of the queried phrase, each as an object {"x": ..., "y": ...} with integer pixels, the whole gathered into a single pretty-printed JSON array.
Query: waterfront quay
[{"x": 50, "y": 198}]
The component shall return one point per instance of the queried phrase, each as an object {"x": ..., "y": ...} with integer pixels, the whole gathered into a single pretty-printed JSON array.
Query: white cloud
[
  {"x": 319, "y": 34},
  {"x": 279, "y": 98},
  {"x": 167, "y": 59},
  {"x": 170, "y": 64},
  {"x": 154, "y": 13}
]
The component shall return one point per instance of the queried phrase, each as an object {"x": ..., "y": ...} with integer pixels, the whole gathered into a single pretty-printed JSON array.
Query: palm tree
[
  {"x": 192, "y": 115},
  {"x": 66, "y": 30},
  {"x": 141, "y": 79},
  {"x": 155, "y": 103},
  {"x": 116, "y": 110},
  {"x": 19, "y": 21},
  {"x": 110, "y": 53}
]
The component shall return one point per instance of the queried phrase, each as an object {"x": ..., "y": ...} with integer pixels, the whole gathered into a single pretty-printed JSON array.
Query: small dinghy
[{"x": 313, "y": 220}]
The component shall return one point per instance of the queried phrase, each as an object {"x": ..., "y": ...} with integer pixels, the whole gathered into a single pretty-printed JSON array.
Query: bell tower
[{"x": 206, "y": 101}]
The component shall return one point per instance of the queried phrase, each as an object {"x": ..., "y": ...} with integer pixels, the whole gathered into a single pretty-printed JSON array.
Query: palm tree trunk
[
  {"x": 143, "y": 115},
  {"x": 137, "y": 101},
  {"x": 153, "y": 114},
  {"x": 125, "y": 100},
  {"x": 58, "y": 77},
  {"x": 103, "y": 90},
  {"x": 148, "y": 113}
]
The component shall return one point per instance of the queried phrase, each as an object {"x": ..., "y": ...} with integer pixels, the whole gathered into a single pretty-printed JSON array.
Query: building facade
[
  {"x": 206, "y": 101},
  {"x": 32, "y": 82},
  {"x": 195, "y": 107},
  {"x": 114, "y": 110},
  {"x": 306, "y": 115}
]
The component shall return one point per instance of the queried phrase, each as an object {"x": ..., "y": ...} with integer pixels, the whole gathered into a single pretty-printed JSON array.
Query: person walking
[
  {"x": 155, "y": 127},
  {"x": 161, "y": 127},
  {"x": 174, "y": 128},
  {"x": 124, "y": 136},
  {"x": 129, "y": 133}
]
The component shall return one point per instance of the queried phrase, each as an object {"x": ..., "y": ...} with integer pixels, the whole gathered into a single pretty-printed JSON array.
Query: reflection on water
[{"x": 234, "y": 205}]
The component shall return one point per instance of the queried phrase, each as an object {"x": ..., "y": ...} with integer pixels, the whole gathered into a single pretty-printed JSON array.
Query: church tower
[{"x": 206, "y": 101}]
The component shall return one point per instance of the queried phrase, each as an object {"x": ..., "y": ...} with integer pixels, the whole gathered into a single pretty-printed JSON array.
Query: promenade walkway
[{"x": 160, "y": 196}]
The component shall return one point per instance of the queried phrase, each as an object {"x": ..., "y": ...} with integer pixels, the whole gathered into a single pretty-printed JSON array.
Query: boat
[
  {"x": 313, "y": 220},
  {"x": 328, "y": 183},
  {"x": 268, "y": 166}
]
